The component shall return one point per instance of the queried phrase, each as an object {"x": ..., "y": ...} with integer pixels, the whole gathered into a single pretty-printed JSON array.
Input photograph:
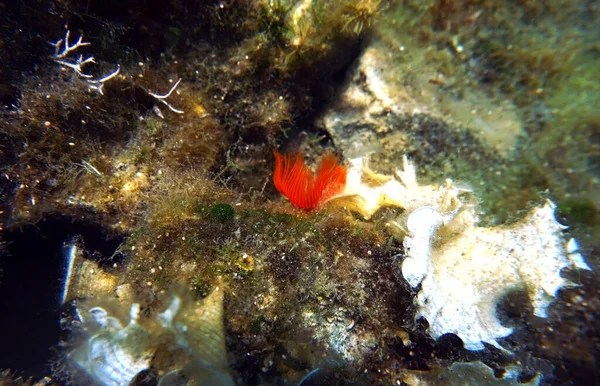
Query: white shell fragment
[
  {"x": 115, "y": 354},
  {"x": 464, "y": 275},
  {"x": 112, "y": 351}
]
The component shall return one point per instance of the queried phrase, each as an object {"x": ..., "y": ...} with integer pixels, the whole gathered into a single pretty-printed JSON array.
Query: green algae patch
[
  {"x": 221, "y": 212},
  {"x": 582, "y": 211}
]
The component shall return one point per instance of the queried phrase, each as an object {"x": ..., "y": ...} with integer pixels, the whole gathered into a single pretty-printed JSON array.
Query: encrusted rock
[{"x": 465, "y": 272}]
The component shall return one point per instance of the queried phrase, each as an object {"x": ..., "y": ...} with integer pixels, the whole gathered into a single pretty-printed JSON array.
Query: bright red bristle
[{"x": 304, "y": 189}]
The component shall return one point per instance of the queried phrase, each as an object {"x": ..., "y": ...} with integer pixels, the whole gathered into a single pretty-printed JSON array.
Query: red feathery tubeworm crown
[{"x": 304, "y": 189}]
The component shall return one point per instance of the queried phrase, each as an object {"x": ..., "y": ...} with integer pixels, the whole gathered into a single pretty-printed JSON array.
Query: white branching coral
[
  {"x": 64, "y": 55},
  {"x": 62, "y": 49},
  {"x": 163, "y": 99}
]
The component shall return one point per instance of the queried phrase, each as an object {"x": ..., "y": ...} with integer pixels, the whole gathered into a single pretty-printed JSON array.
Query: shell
[
  {"x": 184, "y": 342},
  {"x": 114, "y": 355}
]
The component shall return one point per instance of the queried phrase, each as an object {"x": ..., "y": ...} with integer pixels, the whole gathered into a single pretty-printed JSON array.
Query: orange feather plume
[{"x": 304, "y": 189}]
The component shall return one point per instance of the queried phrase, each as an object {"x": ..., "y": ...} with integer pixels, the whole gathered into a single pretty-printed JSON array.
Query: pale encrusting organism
[{"x": 465, "y": 270}]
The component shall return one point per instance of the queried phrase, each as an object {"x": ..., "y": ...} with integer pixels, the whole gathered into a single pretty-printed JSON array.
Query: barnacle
[{"x": 303, "y": 188}]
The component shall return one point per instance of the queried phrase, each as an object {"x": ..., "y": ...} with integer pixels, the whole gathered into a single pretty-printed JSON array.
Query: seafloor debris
[
  {"x": 475, "y": 373},
  {"x": 9, "y": 378},
  {"x": 114, "y": 354},
  {"x": 183, "y": 342}
]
